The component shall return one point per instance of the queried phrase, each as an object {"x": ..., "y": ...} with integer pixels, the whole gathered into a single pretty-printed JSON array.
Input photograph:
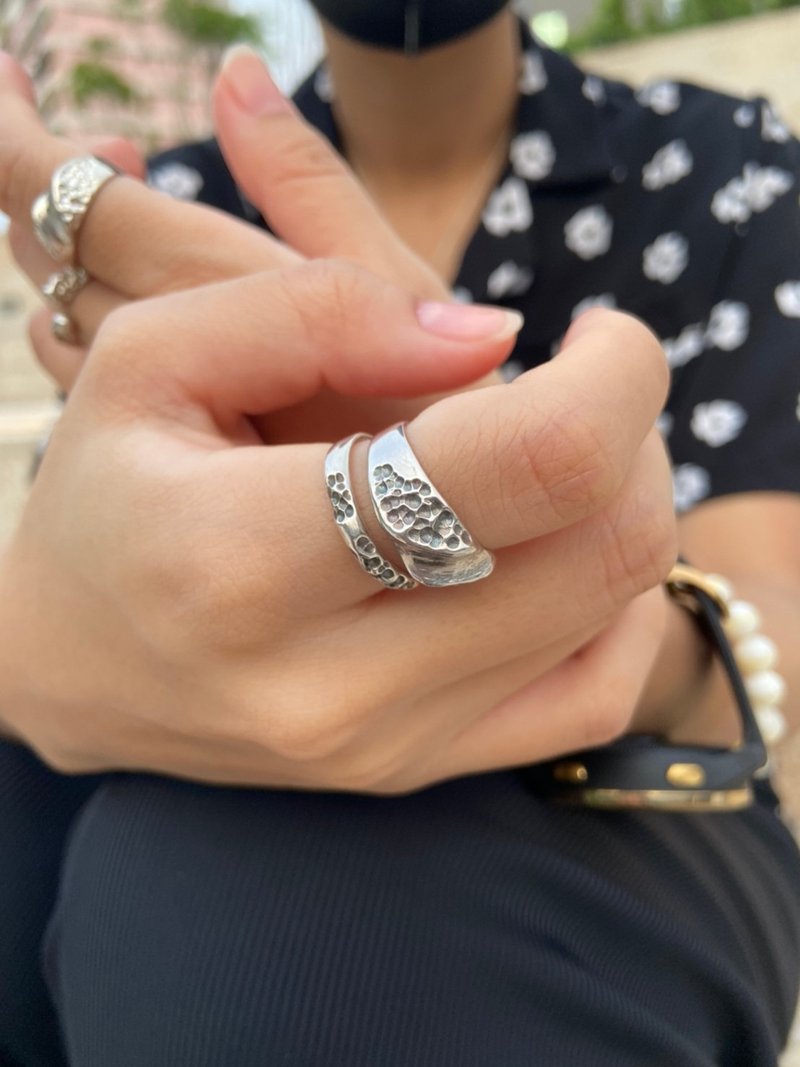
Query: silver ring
[
  {"x": 64, "y": 329},
  {"x": 62, "y": 287},
  {"x": 340, "y": 493},
  {"x": 59, "y": 213},
  {"x": 432, "y": 541}
]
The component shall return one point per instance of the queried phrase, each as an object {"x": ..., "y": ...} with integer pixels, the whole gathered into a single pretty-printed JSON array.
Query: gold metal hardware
[{"x": 686, "y": 775}]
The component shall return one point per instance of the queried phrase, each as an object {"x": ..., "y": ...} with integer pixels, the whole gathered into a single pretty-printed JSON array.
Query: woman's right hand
[{"x": 177, "y": 597}]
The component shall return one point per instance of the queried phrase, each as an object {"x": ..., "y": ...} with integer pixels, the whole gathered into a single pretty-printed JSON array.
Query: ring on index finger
[
  {"x": 59, "y": 213},
  {"x": 432, "y": 541}
]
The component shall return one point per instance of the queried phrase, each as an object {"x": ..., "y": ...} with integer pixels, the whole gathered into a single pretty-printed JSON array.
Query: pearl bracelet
[{"x": 757, "y": 657}]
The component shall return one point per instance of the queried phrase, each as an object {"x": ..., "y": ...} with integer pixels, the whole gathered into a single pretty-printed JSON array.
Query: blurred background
[{"x": 143, "y": 68}]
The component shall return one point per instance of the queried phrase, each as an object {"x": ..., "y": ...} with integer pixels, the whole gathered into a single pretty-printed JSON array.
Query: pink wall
[{"x": 172, "y": 78}]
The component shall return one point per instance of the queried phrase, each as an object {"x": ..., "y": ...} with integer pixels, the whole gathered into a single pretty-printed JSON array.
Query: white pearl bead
[
  {"x": 771, "y": 723},
  {"x": 722, "y": 585},
  {"x": 743, "y": 619},
  {"x": 756, "y": 653},
  {"x": 765, "y": 687}
]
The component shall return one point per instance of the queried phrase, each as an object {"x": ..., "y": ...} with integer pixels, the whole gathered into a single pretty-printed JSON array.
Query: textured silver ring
[
  {"x": 432, "y": 541},
  {"x": 64, "y": 329},
  {"x": 62, "y": 287},
  {"x": 340, "y": 493},
  {"x": 59, "y": 213}
]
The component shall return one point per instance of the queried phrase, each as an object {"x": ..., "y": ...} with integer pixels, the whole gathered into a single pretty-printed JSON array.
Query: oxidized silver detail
[
  {"x": 62, "y": 287},
  {"x": 64, "y": 329},
  {"x": 432, "y": 541},
  {"x": 58, "y": 214},
  {"x": 340, "y": 493}
]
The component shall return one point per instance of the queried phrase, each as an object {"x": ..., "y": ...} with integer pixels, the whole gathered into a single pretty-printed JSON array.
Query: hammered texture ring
[
  {"x": 433, "y": 543},
  {"x": 59, "y": 213},
  {"x": 62, "y": 287},
  {"x": 340, "y": 494}
]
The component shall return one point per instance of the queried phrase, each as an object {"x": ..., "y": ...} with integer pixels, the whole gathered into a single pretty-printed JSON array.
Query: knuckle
[
  {"x": 642, "y": 544},
  {"x": 303, "y": 160}
]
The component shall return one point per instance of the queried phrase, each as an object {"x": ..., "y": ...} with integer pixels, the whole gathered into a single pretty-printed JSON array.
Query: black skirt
[{"x": 469, "y": 925}]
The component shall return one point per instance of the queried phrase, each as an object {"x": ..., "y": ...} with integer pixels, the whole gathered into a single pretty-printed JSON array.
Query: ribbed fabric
[
  {"x": 471, "y": 925},
  {"x": 36, "y": 809}
]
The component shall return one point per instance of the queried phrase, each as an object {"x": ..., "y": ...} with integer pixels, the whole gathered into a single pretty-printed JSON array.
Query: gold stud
[
  {"x": 686, "y": 775},
  {"x": 570, "y": 772}
]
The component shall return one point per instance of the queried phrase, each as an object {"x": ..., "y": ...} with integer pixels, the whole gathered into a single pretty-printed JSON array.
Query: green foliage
[
  {"x": 99, "y": 47},
  {"x": 91, "y": 79},
  {"x": 612, "y": 21},
  {"x": 205, "y": 24}
]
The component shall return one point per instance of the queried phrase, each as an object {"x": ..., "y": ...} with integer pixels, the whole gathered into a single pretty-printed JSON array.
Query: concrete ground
[{"x": 755, "y": 56}]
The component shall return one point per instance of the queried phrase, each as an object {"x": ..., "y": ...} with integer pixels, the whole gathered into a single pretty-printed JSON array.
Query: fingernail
[
  {"x": 250, "y": 82},
  {"x": 468, "y": 322}
]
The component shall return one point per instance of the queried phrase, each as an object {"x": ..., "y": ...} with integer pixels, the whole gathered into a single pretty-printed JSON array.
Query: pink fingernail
[
  {"x": 468, "y": 322},
  {"x": 250, "y": 82}
]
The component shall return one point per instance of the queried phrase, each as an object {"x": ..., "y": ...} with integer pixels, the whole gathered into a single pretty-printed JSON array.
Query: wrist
[{"x": 687, "y": 698}]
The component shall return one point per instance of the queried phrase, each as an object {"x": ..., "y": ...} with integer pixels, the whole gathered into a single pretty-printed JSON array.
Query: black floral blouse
[{"x": 673, "y": 202}]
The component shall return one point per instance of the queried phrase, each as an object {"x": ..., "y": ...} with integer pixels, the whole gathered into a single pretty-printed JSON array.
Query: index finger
[{"x": 167, "y": 244}]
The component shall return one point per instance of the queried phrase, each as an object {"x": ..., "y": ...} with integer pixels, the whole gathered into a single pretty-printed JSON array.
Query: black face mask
[{"x": 406, "y": 25}]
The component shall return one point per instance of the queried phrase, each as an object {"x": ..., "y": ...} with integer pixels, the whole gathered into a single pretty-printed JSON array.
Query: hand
[
  {"x": 136, "y": 243},
  {"x": 177, "y": 600}
]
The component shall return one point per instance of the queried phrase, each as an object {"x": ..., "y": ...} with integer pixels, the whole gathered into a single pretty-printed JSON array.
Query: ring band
[
  {"x": 62, "y": 287},
  {"x": 64, "y": 329},
  {"x": 433, "y": 543},
  {"x": 59, "y": 213},
  {"x": 340, "y": 493}
]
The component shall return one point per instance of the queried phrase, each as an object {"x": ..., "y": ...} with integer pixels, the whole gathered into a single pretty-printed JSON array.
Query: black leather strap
[{"x": 642, "y": 771}]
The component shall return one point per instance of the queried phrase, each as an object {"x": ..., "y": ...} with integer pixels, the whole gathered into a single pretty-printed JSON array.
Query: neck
[{"x": 428, "y": 116}]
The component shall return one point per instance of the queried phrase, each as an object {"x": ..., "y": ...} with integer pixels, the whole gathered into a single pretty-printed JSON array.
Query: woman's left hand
[{"x": 136, "y": 243}]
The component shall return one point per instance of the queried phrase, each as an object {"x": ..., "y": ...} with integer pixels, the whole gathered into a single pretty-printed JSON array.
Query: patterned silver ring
[
  {"x": 432, "y": 541},
  {"x": 340, "y": 493},
  {"x": 59, "y": 213},
  {"x": 62, "y": 287},
  {"x": 64, "y": 329}
]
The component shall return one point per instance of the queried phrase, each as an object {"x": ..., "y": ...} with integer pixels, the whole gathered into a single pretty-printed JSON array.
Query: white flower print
[
  {"x": 602, "y": 300},
  {"x": 765, "y": 185},
  {"x": 718, "y": 422},
  {"x": 511, "y": 369},
  {"x": 728, "y": 325},
  {"x": 669, "y": 164},
  {"x": 461, "y": 295},
  {"x": 744, "y": 115},
  {"x": 664, "y": 423},
  {"x": 690, "y": 483},
  {"x": 588, "y": 232},
  {"x": 666, "y": 258},
  {"x": 756, "y": 190},
  {"x": 323, "y": 84},
  {"x": 594, "y": 90},
  {"x": 533, "y": 76},
  {"x": 508, "y": 209},
  {"x": 773, "y": 128},
  {"x": 689, "y": 343},
  {"x": 532, "y": 155},
  {"x": 509, "y": 279},
  {"x": 663, "y": 97},
  {"x": 787, "y": 297},
  {"x": 176, "y": 180}
]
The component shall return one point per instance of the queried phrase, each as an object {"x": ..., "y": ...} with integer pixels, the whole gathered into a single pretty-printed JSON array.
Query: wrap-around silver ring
[
  {"x": 59, "y": 213},
  {"x": 345, "y": 512},
  {"x": 433, "y": 543}
]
